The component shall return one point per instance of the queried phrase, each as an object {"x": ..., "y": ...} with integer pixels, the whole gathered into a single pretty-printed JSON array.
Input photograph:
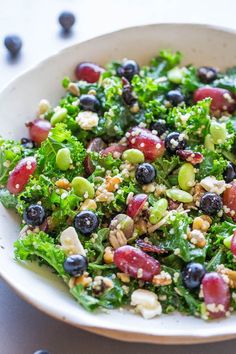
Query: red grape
[
  {"x": 143, "y": 139},
  {"x": 229, "y": 200},
  {"x": 216, "y": 293},
  {"x": 116, "y": 150},
  {"x": 89, "y": 72},
  {"x": 39, "y": 130},
  {"x": 136, "y": 263},
  {"x": 136, "y": 205},
  {"x": 95, "y": 145},
  {"x": 20, "y": 175},
  {"x": 222, "y": 99}
]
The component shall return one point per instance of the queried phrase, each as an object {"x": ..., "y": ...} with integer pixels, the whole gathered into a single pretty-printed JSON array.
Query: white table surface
[{"x": 24, "y": 329}]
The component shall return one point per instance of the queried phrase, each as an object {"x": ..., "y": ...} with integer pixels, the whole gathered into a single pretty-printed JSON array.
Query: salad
[{"x": 127, "y": 188}]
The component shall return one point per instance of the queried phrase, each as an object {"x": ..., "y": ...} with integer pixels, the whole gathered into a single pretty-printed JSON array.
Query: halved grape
[
  {"x": 136, "y": 205},
  {"x": 39, "y": 130},
  {"x": 136, "y": 263},
  {"x": 20, "y": 175}
]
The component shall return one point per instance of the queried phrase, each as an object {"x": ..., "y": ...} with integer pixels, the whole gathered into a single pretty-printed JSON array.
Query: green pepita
[{"x": 158, "y": 210}]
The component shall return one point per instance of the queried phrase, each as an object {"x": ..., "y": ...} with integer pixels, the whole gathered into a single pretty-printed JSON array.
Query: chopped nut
[
  {"x": 125, "y": 278},
  {"x": 162, "y": 279},
  {"x": 112, "y": 183},
  {"x": 102, "y": 195},
  {"x": 141, "y": 227},
  {"x": 197, "y": 238},
  {"x": 73, "y": 88},
  {"x": 84, "y": 280},
  {"x": 202, "y": 223},
  {"x": 228, "y": 275},
  {"x": 198, "y": 193},
  {"x": 117, "y": 238},
  {"x": 134, "y": 108},
  {"x": 63, "y": 183},
  {"x": 149, "y": 188},
  {"x": 101, "y": 284},
  {"x": 160, "y": 190},
  {"x": 43, "y": 107},
  {"x": 88, "y": 204},
  {"x": 108, "y": 255}
]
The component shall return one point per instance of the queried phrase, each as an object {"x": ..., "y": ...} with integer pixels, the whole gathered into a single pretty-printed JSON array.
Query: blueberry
[
  {"x": 34, "y": 215},
  {"x": 75, "y": 265},
  {"x": 192, "y": 275},
  {"x": 127, "y": 96},
  {"x": 66, "y": 20},
  {"x": 175, "y": 97},
  {"x": 145, "y": 173},
  {"x": 175, "y": 141},
  {"x": 230, "y": 172},
  {"x": 211, "y": 203},
  {"x": 160, "y": 126},
  {"x": 27, "y": 143},
  {"x": 207, "y": 74},
  {"x": 128, "y": 69},
  {"x": 89, "y": 103},
  {"x": 86, "y": 222},
  {"x": 42, "y": 351},
  {"x": 13, "y": 43}
]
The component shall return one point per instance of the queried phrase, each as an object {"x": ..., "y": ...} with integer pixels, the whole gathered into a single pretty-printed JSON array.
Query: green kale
[
  {"x": 96, "y": 245},
  {"x": 213, "y": 164},
  {"x": 165, "y": 61},
  {"x": 89, "y": 302},
  {"x": 175, "y": 238},
  {"x": 41, "y": 246},
  {"x": 190, "y": 81},
  {"x": 194, "y": 121},
  {"x": 165, "y": 167},
  {"x": 46, "y": 155},
  {"x": 7, "y": 199},
  {"x": 10, "y": 153}
]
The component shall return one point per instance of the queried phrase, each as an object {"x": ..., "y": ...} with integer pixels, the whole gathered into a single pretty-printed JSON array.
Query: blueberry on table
[
  {"x": 145, "y": 173},
  {"x": 128, "y": 69},
  {"x": 75, "y": 265},
  {"x": 175, "y": 141},
  {"x": 175, "y": 97},
  {"x": 66, "y": 20},
  {"x": 86, "y": 222},
  {"x": 192, "y": 275},
  {"x": 159, "y": 126},
  {"x": 207, "y": 74},
  {"x": 42, "y": 351},
  {"x": 89, "y": 103},
  {"x": 13, "y": 43},
  {"x": 230, "y": 172},
  {"x": 211, "y": 203},
  {"x": 34, "y": 215}
]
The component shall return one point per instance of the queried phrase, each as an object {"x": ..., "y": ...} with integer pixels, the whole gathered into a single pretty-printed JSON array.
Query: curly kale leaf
[
  {"x": 213, "y": 164},
  {"x": 89, "y": 302},
  {"x": 41, "y": 246},
  {"x": 194, "y": 121},
  {"x": 175, "y": 238},
  {"x": 10, "y": 153},
  {"x": 46, "y": 155},
  {"x": 7, "y": 199},
  {"x": 96, "y": 245},
  {"x": 165, "y": 168}
]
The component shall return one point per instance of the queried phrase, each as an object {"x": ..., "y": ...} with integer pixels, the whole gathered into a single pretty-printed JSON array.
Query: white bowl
[{"x": 200, "y": 44}]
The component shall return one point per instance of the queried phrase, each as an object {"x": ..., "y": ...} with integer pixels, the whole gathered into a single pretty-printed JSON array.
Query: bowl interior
[{"x": 201, "y": 45}]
